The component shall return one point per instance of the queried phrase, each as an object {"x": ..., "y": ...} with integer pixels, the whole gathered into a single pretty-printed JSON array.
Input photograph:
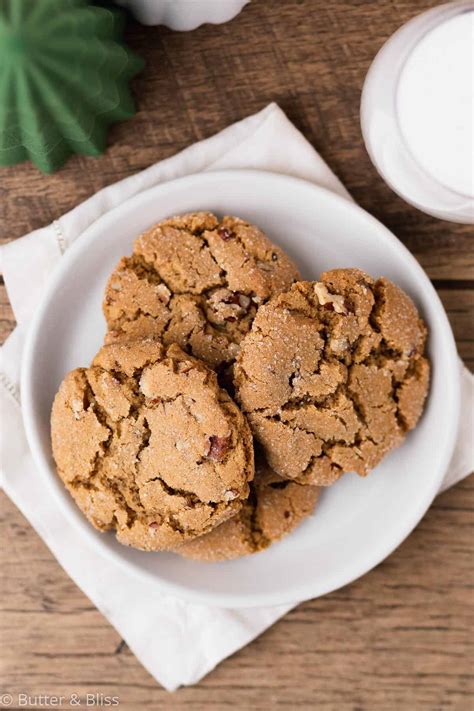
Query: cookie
[
  {"x": 332, "y": 375},
  {"x": 196, "y": 281},
  {"x": 274, "y": 508},
  {"x": 149, "y": 445}
]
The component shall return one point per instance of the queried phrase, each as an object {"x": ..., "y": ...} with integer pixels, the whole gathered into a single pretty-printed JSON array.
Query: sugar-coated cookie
[
  {"x": 274, "y": 508},
  {"x": 196, "y": 281},
  {"x": 332, "y": 375},
  {"x": 148, "y": 444}
]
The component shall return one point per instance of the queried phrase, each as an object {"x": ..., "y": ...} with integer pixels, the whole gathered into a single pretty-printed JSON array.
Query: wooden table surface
[{"x": 399, "y": 638}]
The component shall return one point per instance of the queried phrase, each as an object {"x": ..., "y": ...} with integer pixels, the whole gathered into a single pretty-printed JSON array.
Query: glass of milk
[{"x": 417, "y": 111}]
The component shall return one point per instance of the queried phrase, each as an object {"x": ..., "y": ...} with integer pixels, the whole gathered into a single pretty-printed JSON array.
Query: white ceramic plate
[{"x": 358, "y": 522}]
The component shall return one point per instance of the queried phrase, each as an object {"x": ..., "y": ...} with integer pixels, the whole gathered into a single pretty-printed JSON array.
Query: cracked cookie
[
  {"x": 274, "y": 508},
  {"x": 196, "y": 281},
  {"x": 332, "y": 375},
  {"x": 149, "y": 445}
]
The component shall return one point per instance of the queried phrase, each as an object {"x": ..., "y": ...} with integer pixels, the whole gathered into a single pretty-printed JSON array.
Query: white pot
[{"x": 183, "y": 14}]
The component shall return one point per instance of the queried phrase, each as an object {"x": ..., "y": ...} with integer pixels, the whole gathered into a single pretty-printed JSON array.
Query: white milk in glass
[
  {"x": 435, "y": 103},
  {"x": 417, "y": 111}
]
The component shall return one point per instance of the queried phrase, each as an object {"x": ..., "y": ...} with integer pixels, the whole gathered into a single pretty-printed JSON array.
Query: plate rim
[{"x": 310, "y": 589}]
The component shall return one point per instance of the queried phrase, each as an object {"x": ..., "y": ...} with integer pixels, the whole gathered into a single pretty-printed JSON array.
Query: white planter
[{"x": 183, "y": 14}]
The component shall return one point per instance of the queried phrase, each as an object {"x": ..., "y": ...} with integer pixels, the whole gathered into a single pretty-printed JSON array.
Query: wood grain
[{"x": 400, "y": 637}]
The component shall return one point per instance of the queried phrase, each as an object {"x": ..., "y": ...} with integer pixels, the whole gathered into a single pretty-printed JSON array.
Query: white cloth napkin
[{"x": 178, "y": 642}]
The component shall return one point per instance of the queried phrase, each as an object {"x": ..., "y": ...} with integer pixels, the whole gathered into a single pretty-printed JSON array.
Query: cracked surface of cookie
[
  {"x": 149, "y": 445},
  {"x": 196, "y": 281},
  {"x": 274, "y": 508},
  {"x": 332, "y": 375}
]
